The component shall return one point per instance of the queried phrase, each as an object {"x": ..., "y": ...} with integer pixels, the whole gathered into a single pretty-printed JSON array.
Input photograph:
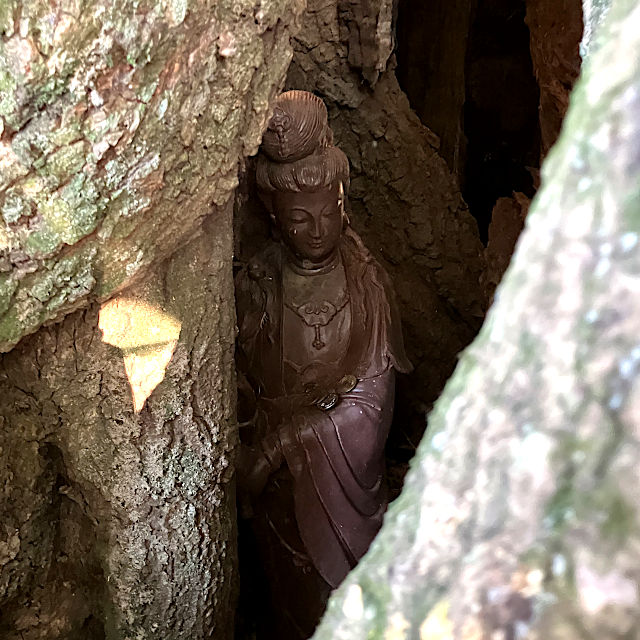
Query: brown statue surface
[{"x": 319, "y": 341}]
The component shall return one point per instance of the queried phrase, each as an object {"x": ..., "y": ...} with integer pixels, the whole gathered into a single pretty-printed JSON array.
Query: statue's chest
[{"x": 316, "y": 322}]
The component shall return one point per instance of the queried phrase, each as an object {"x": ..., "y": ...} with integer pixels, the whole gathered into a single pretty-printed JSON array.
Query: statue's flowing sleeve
[{"x": 337, "y": 461}]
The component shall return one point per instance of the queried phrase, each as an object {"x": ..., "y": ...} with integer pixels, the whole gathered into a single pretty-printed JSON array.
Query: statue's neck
[{"x": 308, "y": 268}]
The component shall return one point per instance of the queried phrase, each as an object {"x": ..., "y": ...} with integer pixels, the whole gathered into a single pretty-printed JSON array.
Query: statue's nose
[{"x": 316, "y": 230}]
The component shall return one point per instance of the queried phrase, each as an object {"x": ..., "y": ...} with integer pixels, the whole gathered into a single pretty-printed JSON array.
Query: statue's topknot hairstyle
[
  {"x": 297, "y": 152},
  {"x": 298, "y": 127}
]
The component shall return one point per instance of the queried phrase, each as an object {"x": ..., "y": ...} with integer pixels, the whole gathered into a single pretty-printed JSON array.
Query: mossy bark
[
  {"x": 117, "y": 506},
  {"x": 520, "y": 518},
  {"x": 122, "y": 121}
]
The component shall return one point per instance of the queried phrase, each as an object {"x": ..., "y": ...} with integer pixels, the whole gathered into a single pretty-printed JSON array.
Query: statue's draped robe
[{"x": 334, "y": 458}]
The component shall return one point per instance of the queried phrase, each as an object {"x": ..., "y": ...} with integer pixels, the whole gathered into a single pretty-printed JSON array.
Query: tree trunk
[
  {"x": 556, "y": 29},
  {"x": 433, "y": 40},
  {"x": 118, "y": 507},
  {"x": 121, "y": 123},
  {"x": 519, "y": 518},
  {"x": 123, "y": 127}
]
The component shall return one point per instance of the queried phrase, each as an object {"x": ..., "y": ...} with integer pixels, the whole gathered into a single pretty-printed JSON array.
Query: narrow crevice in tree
[
  {"x": 501, "y": 110},
  {"x": 467, "y": 70}
]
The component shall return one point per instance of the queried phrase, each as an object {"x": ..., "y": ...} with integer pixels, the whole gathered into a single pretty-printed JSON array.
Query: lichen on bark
[
  {"x": 519, "y": 517},
  {"x": 122, "y": 121},
  {"x": 595, "y": 11},
  {"x": 116, "y": 497}
]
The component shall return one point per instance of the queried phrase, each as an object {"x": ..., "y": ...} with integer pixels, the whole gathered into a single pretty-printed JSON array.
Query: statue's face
[{"x": 310, "y": 223}]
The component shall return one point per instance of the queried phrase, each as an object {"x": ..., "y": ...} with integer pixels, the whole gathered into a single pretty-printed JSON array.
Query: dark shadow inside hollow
[
  {"x": 501, "y": 110},
  {"x": 467, "y": 70}
]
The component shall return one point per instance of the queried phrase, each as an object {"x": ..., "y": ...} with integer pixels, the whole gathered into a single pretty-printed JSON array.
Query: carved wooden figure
[{"x": 319, "y": 342}]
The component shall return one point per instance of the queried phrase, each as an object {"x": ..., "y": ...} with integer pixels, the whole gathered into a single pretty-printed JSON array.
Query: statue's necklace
[{"x": 319, "y": 311}]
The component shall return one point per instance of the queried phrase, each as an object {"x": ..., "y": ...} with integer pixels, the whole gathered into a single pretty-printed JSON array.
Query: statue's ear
[{"x": 342, "y": 207}]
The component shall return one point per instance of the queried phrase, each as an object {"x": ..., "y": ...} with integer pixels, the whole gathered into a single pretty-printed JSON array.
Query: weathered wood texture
[
  {"x": 114, "y": 520},
  {"x": 121, "y": 122},
  {"x": 432, "y": 38},
  {"x": 520, "y": 518},
  {"x": 556, "y": 30}
]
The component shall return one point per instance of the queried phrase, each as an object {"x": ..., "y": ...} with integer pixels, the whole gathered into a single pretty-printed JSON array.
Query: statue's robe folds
[{"x": 333, "y": 479}]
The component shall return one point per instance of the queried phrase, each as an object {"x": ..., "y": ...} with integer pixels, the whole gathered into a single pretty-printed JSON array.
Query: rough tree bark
[
  {"x": 123, "y": 125},
  {"x": 113, "y": 115},
  {"x": 405, "y": 202},
  {"x": 595, "y": 12},
  {"x": 118, "y": 518},
  {"x": 519, "y": 518},
  {"x": 556, "y": 29}
]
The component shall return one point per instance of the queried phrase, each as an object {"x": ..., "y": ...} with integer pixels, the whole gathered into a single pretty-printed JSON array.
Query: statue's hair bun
[{"x": 298, "y": 128}]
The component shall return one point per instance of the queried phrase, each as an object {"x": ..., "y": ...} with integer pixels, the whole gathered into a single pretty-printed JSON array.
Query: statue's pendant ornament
[
  {"x": 319, "y": 344},
  {"x": 318, "y": 315}
]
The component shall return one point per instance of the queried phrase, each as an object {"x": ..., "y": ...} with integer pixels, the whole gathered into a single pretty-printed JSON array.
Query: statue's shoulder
[
  {"x": 256, "y": 290},
  {"x": 261, "y": 269}
]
